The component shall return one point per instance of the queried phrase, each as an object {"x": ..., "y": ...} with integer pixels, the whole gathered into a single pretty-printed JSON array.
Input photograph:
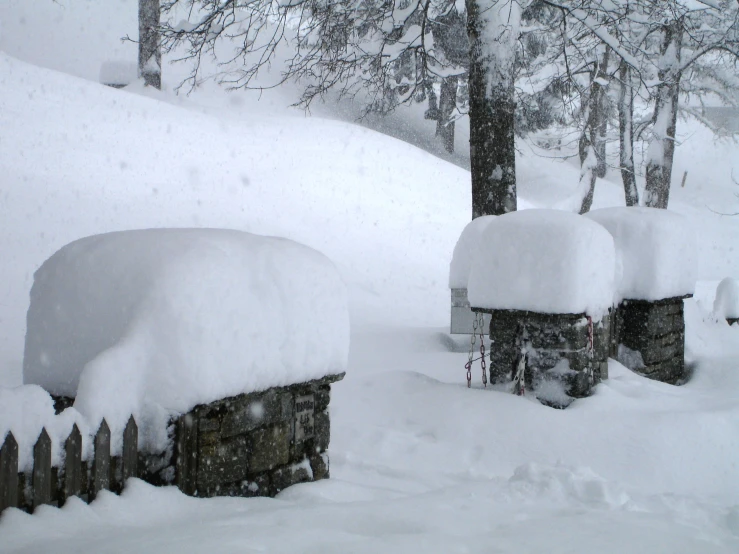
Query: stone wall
[
  {"x": 255, "y": 444},
  {"x": 649, "y": 338},
  {"x": 549, "y": 339}
]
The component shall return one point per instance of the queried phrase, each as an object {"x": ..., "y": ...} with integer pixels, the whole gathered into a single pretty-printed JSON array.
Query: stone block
[
  {"x": 256, "y": 411},
  {"x": 269, "y": 448},
  {"x": 322, "y": 426},
  {"x": 284, "y": 477},
  {"x": 322, "y": 397},
  {"x": 223, "y": 463},
  {"x": 320, "y": 465}
]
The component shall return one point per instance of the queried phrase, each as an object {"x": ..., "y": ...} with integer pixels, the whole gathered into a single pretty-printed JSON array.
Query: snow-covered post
[
  {"x": 662, "y": 146},
  {"x": 150, "y": 54},
  {"x": 546, "y": 278},
  {"x": 493, "y": 29}
]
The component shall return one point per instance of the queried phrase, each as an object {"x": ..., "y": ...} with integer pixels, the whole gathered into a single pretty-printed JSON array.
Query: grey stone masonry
[
  {"x": 255, "y": 444},
  {"x": 558, "y": 348},
  {"x": 649, "y": 338}
]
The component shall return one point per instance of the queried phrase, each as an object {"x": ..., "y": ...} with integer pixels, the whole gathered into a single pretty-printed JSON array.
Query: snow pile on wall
[
  {"x": 546, "y": 261},
  {"x": 156, "y": 321},
  {"x": 726, "y": 304},
  {"x": 464, "y": 251},
  {"x": 656, "y": 252},
  {"x": 27, "y": 409}
]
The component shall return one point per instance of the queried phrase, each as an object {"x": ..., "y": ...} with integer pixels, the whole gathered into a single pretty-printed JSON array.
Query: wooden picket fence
[{"x": 54, "y": 485}]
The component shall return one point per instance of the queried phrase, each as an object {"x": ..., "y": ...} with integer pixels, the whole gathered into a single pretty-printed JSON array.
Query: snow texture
[
  {"x": 726, "y": 304},
  {"x": 118, "y": 73},
  {"x": 465, "y": 250},
  {"x": 27, "y": 409},
  {"x": 544, "y": 261},
  {"x": 656, "y": 252},
  {"x": 156, "y": 321}
]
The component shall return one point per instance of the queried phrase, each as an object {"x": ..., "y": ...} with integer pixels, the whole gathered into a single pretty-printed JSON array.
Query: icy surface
[
  {"x": 464, "y": 251},
  {"x": 163, "y": 319},
  {"x": 727, "y": 298},
  {"x": 545, "y": 261},
  {"x": 656, "y": 252}
]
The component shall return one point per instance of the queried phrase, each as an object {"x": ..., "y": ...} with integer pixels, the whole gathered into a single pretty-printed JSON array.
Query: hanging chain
[
  {"x": 591, "y": 349},
  {"x": 483, "y": 366},
  {"x": 519, "y": 377},
  {"x": 468, "y": 365}
]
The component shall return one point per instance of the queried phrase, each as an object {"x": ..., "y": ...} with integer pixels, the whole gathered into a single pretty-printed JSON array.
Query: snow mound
[
  {"x": 157, "y": 321},
  {"x": 546, "y": 261},
  {"x": 27, "y": 409},
  {"x": 726, "y": 304},
  {"x": 564, "y": 483},
  {"x": 656, "y": 252},
  {"x": 464, "y": 251}
]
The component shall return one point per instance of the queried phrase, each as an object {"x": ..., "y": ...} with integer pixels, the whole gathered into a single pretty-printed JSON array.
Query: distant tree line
[{"x": 515, "y": 66}]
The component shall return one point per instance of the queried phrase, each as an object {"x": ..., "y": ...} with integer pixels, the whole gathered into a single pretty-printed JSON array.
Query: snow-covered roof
[
  {"x": 464, "y": 251},
  {"x": 546, "y": 261},
  {"x": 656, "y": 252},
  {"x": 161, "y": 320}
]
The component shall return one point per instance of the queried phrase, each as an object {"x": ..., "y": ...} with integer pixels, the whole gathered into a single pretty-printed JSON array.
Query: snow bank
[
  {"x": 464, "y": 251},
  {"x": 656, "y": 252},
  {"x": 546, "y": 261},
  {"x": 726, "y": 304},
  {"x": 155, "y": 321}
]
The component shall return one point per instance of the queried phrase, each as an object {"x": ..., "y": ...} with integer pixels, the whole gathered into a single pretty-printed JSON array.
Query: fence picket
[
  {"x": 130, "y": 450},
  {"x": 72, "y": 482},
  {"x": 42, "y": 470},
  {"x": 9, "y": 473},
  {"x": 100, "y": 479}
]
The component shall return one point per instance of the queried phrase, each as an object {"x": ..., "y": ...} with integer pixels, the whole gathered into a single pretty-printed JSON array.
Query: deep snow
[
  {"x": 153, "y": 322},
  {"x": 419, "y": 462}
]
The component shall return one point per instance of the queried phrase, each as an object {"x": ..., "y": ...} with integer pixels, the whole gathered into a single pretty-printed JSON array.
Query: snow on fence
[{"x": 46, "y": 484}]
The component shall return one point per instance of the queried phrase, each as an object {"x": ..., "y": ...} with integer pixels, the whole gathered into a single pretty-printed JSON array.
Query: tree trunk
[
  {"x": 592, "y": 139},
  {"x": 447, "y": 104},
  {"x": 492, "y": 32},
  {"x": 661, "y": 152},
  {"x": 626, "y": 135},
  {"x": 150, "y": 54}
]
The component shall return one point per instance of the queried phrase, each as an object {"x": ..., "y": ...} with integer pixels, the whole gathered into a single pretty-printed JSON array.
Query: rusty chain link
[
  {"x": 468, "y": 365},
  {"x": 483, "y": 364}
]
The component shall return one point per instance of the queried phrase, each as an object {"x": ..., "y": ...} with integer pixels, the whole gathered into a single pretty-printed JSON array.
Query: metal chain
[
  {"x": 519, "y": 378},
  {"x": 468, "y": 365},
  {"x": 591, "y": 349},
  {"x": 483, "y": 366}
]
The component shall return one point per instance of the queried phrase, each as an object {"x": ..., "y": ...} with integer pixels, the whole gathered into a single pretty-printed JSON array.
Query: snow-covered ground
[{"x": 418, "y": 461}]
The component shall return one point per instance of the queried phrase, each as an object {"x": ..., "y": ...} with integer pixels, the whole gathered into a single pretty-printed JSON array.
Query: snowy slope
[
  {"x": 418, "y": 461},
  {"x": 86, "y": 159}
]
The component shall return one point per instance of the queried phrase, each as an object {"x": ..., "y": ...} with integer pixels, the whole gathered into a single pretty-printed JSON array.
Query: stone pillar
[
  {"x": 558, "y": 350},
  {"x": 649, "y": 338}
]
